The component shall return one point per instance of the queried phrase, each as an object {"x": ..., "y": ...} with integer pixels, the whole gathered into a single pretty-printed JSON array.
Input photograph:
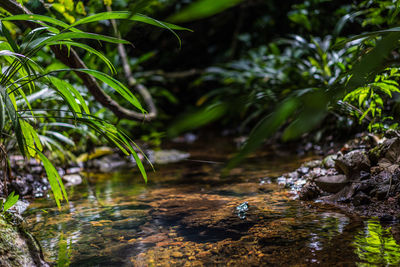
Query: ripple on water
[{"x": 187, "y": 216}]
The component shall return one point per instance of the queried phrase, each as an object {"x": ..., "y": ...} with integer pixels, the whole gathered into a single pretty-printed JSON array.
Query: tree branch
[{"x": 72, "y": 60}]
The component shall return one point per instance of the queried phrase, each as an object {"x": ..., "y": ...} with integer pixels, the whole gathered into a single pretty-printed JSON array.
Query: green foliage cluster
[
  {"x": 299, "y": 80},
  {"x": 38, "y": 105},
  {"x": 369, "y": 100}
]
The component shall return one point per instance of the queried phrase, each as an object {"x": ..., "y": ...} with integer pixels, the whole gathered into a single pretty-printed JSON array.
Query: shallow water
[{"x": 186, "y": 216}]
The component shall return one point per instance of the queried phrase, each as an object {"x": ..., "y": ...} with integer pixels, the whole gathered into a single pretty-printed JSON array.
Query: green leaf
[
  {"x": 30, "y": 144},
  {"x": 4, "y": 31},
  {"x": 90, "y": 50},
  {"x": 34, "y": 17},
  {"x": 2, "y": 114},
  {"x": 198, "y": 118},
  {"x": 61, "y": 137},
  {"x": 371, "y": 34},
  {"x": 83, "y": 35},
  {"x": 116, "y": 85},
  {"x": 55, "y": 181},
  {"x": 31, "y": 138},
  {"x": 158, "y": 23},
  {"x": 12, "y": 113},
  {"x": 202, "y": 9},
  {"x": 372, "y": 63},
  {"x": 103, "y": 16},
  {"x": 265, "y": 128},
  {"x": 129, "y": 16},
  {"x": 10, "y": 201},
  {"x": 63, "y": 88}
]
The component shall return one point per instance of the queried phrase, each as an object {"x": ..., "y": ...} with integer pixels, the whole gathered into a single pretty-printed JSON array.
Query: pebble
[{"x": 177, "y": 254}]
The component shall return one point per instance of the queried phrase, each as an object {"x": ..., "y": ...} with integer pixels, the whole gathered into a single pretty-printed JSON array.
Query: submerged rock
[
  {"x": 18, "y": 247},
  {"x": 72, "y": 179},
  {"x": 166, "y": 156}
]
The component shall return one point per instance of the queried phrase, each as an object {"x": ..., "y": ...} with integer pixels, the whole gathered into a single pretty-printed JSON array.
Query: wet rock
[
  {"x": 313, "y": 164},
  {"x": 315, "y": 173},
  {"x": 389, "y": 150},
  {"x": 382, "y": 191},
  {"x": 281, "y": 180},
  {"x": 329, "y": 161},
  {"x": 364, "y": 175},
  {"x": 309, "y": 191},
  {"x": 20, "y": 186},
  {"x": 36, "y": 170},
  {"x": 352, "y": 163},
  {"x": 74, "y": 170},
  {"x": 61, "y": 171},
  {"x": 331, "y": 184},
  {"x": 302, "y": 170},
  {"x": 361, "y": 199},
  {"x": 109, "y": 163},
  {"x": 166, "y": 156},
  {"x": 72, "y": 179},
  {"x": 17, "y": 247},
  {"x": 19, "y": 207},
  {"x": 39, "y": 189},
  {"x": 343, "y": 195},
  {"x": 366, "y": 186},
  {"x": 385, "y": 164}
]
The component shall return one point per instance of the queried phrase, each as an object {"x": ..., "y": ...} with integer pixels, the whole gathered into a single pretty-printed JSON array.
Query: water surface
[{"x": 186, "y": 216}]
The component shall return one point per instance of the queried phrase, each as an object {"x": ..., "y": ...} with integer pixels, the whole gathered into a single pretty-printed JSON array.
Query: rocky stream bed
[{"x": 340, "y": 209}]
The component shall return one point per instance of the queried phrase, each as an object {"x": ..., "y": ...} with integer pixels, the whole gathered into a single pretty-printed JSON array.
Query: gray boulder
[{"x": 331, "y": 183}]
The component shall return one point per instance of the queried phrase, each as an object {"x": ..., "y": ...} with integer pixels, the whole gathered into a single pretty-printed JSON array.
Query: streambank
[
  {"x": 362, "y": 177},
  {"x": 17, "y": 246}
]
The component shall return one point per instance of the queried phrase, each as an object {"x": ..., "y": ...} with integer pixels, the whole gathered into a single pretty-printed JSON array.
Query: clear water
[{"x": 186, "y": 216}]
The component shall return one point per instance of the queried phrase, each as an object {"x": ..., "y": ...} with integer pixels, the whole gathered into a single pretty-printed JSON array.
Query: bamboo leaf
[
  {"x": 55, "y": 181},
  {"x": 10, "y": 201},
  {"x": 2, "y": 114},
  {"x": 4, "y": 31},
  {"x": 202, "y": 9},
  {"x": 83, "y": 35},
  {"x": 90, "y": 50},
  {"x": 41, "y": 18},
  {"x": 64, "y": 91},
  {"x": 116, "y": 85}
]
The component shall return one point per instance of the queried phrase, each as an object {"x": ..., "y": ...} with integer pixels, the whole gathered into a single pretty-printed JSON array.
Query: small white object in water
[{"x": 243, "y": 207}]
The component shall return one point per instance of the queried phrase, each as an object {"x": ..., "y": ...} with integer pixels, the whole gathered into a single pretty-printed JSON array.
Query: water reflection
[
  {"x": 376, "y": 245},
  {"x": 64, "y": 251},
  {"x": 188, "y": 215}
]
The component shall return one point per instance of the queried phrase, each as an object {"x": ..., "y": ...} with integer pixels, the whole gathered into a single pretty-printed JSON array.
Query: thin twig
[{"x": 142, "y": 90}]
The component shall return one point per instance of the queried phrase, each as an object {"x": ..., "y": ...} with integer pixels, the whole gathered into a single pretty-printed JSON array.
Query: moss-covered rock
[{"x": 18, "y": 247}]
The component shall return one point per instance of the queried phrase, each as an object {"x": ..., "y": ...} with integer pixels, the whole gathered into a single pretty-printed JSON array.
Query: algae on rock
[{"x": 18, "y": 247}]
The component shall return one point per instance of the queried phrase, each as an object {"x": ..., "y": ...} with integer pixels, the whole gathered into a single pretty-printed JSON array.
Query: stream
[{"x": 188, "y": 215}]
